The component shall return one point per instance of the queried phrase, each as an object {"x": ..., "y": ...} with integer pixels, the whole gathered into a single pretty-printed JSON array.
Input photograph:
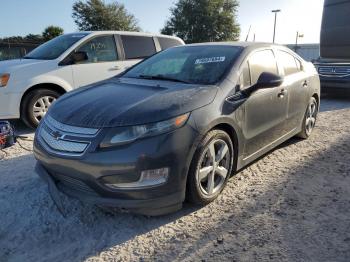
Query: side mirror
[
  {"x": 268, "y": 80},
  {"x": 79, "y": 56}
]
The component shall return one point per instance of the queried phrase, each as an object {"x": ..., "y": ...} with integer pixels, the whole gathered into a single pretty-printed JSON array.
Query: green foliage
[
  {"x": 51, "y": 32},
  {"x": 95, "y": 15},
  {"x": 31, "y": 38},
  {"x": 198, "y": 21}
]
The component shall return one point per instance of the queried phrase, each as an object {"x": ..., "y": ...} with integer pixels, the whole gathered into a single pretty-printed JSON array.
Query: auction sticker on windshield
[{"x": 207, "y": 60}]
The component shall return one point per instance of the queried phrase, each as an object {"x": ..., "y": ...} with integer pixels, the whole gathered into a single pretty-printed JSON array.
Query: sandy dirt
[{"x": 291, "y": 205}]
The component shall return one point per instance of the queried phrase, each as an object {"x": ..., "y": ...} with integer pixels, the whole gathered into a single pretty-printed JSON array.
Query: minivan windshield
[
  {"x": 203, "y": 64},
  {"x": 55, "y": 47}
]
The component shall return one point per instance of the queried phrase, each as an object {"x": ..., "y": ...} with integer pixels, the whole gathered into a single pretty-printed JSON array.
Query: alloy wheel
[
  {"x": 310, "y": 119},
  {"x": 214, "y": 167}
]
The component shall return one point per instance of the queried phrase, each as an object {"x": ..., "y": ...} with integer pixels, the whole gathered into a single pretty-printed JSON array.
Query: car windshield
[
  {"x": 55, "y": 47},
  {"x": 205, "y": 64}
]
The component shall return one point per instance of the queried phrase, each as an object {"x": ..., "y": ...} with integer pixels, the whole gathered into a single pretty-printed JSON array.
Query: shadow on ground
[
  {"x": 331, "y": 102},
  {"x": 21, "y": 128},
  {"x": 305, "y": 216}
]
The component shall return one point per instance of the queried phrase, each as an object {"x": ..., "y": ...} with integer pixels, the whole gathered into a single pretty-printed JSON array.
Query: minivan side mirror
[
  {"x": 79, "y": 56},
  {"x": 265, "y": 80}
]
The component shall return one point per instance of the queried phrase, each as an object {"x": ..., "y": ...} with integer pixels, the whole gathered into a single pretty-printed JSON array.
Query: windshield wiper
[{"x": 161, "y": 77}]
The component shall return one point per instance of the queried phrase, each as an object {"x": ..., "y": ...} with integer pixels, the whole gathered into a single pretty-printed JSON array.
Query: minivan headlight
[
  {"x": 4, "y": 78},
  {"x": 125, "y": 135}
]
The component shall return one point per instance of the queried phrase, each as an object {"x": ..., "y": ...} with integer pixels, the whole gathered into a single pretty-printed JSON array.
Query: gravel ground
[{"x": 291, "y": 205}]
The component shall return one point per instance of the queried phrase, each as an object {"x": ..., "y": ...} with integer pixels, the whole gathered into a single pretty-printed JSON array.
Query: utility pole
[
  {"x": 274, "y": 27},
  {"x": 246, "y": 39},
  {"x": 296, "y": 40}
]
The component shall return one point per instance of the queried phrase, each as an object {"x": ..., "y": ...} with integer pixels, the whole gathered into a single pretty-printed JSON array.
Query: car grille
[
  {"x": 64, "y": 139},
  {"x": 62, "y": 145},
  {"x": 70, "y": 129},
  {"x": 334, "y": 70}
]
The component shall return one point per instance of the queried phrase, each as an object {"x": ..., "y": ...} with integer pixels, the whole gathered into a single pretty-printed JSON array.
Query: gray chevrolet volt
[{"x": 176, "y": 126}]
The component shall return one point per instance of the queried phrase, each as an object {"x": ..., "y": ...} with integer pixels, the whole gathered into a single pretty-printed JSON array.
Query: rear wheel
[
  {"x": 211, "y": 168},
  {"x": 36, "y": 104},
  {"x": 309, "y": 120}
]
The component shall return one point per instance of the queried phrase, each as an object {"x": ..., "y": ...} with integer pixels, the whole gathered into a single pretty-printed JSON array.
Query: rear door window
[
  {"x": 288, "y": 63},
  {"x": 166, "y": 43},
  {"x": 299, "y": 66},
  {"x": 262, "y": 61},
  {"x": 138, "y": 47}
]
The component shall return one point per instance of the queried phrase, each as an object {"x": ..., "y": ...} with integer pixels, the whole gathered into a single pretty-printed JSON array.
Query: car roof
[
  {"x": 248, "y": 46},
  {"x": 127, "y": 33},
  {"x": 239, "y": 44}
]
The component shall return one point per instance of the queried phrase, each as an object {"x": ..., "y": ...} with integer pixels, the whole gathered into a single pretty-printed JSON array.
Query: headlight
[
  {"x": 4, "y": 78},
  {"x": 124, "y": 135}
]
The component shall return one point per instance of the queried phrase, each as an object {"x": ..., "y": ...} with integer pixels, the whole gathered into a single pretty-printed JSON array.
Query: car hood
[
  {"x": 9, "y": 66},
  {"x": 124, "y": 102}
]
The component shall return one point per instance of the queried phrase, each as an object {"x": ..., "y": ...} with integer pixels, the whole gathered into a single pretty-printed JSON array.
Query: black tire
[
  {"x": 27, "y": 114},
  {"x": 305, "y": 130},
  {"x": 195, "y": 193}
]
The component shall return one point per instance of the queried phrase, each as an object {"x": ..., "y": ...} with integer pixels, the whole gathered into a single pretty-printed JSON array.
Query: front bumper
[
  {"x": 150, "y": 207},
  {"x": 81, "y": 177},
  {"x": 9, "y": 104},
  {"x": 329, "y": 83}
]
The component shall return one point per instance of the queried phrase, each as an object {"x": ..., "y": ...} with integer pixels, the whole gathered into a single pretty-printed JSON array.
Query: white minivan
[{"x": 30, "y": 85}]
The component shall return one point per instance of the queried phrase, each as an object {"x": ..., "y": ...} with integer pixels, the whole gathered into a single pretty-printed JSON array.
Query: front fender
[
  {"x": 206, "y": 119},
  {"x": 50, "y": 80}
]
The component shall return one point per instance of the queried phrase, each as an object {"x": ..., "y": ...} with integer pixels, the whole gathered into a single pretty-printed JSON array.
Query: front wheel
[
  {"x": 309, "y": 120},
  {"x": 36, "y": 104},
  {"x": 210, "y": 168}
]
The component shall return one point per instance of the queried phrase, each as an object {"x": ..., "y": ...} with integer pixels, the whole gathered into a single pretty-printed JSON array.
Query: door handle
[{"x": 282, "y": 93}]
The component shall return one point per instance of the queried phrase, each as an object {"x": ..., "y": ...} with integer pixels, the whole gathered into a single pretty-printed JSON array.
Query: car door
[
  {"x": 296, "y": 83},
  {"x": 102, "y": 63},
  {"x": 265, "y": 109}
]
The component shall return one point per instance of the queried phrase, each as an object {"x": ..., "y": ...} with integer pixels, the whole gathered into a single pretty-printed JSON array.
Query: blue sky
[{"x": 21, "y": 17}]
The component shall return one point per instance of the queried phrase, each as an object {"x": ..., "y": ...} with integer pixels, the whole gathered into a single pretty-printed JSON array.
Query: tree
[
  {"x": 33, "y": 38},
  {"x": 51, "y": 32},
  {"x": 95, "y": 15},
  {"x": 198, "y": 21}
]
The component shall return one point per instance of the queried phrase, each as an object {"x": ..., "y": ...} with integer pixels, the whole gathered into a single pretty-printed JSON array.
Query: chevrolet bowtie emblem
[{"x": 57, "y": 135}]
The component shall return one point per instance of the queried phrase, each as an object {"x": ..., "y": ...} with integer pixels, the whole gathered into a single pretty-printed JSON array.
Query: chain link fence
[{"x": 14, "y": 50}]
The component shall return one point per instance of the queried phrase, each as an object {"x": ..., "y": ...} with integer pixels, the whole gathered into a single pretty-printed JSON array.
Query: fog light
[
  {"x": 148, "y": 178},
  {"x": 156, "y": 176}
]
